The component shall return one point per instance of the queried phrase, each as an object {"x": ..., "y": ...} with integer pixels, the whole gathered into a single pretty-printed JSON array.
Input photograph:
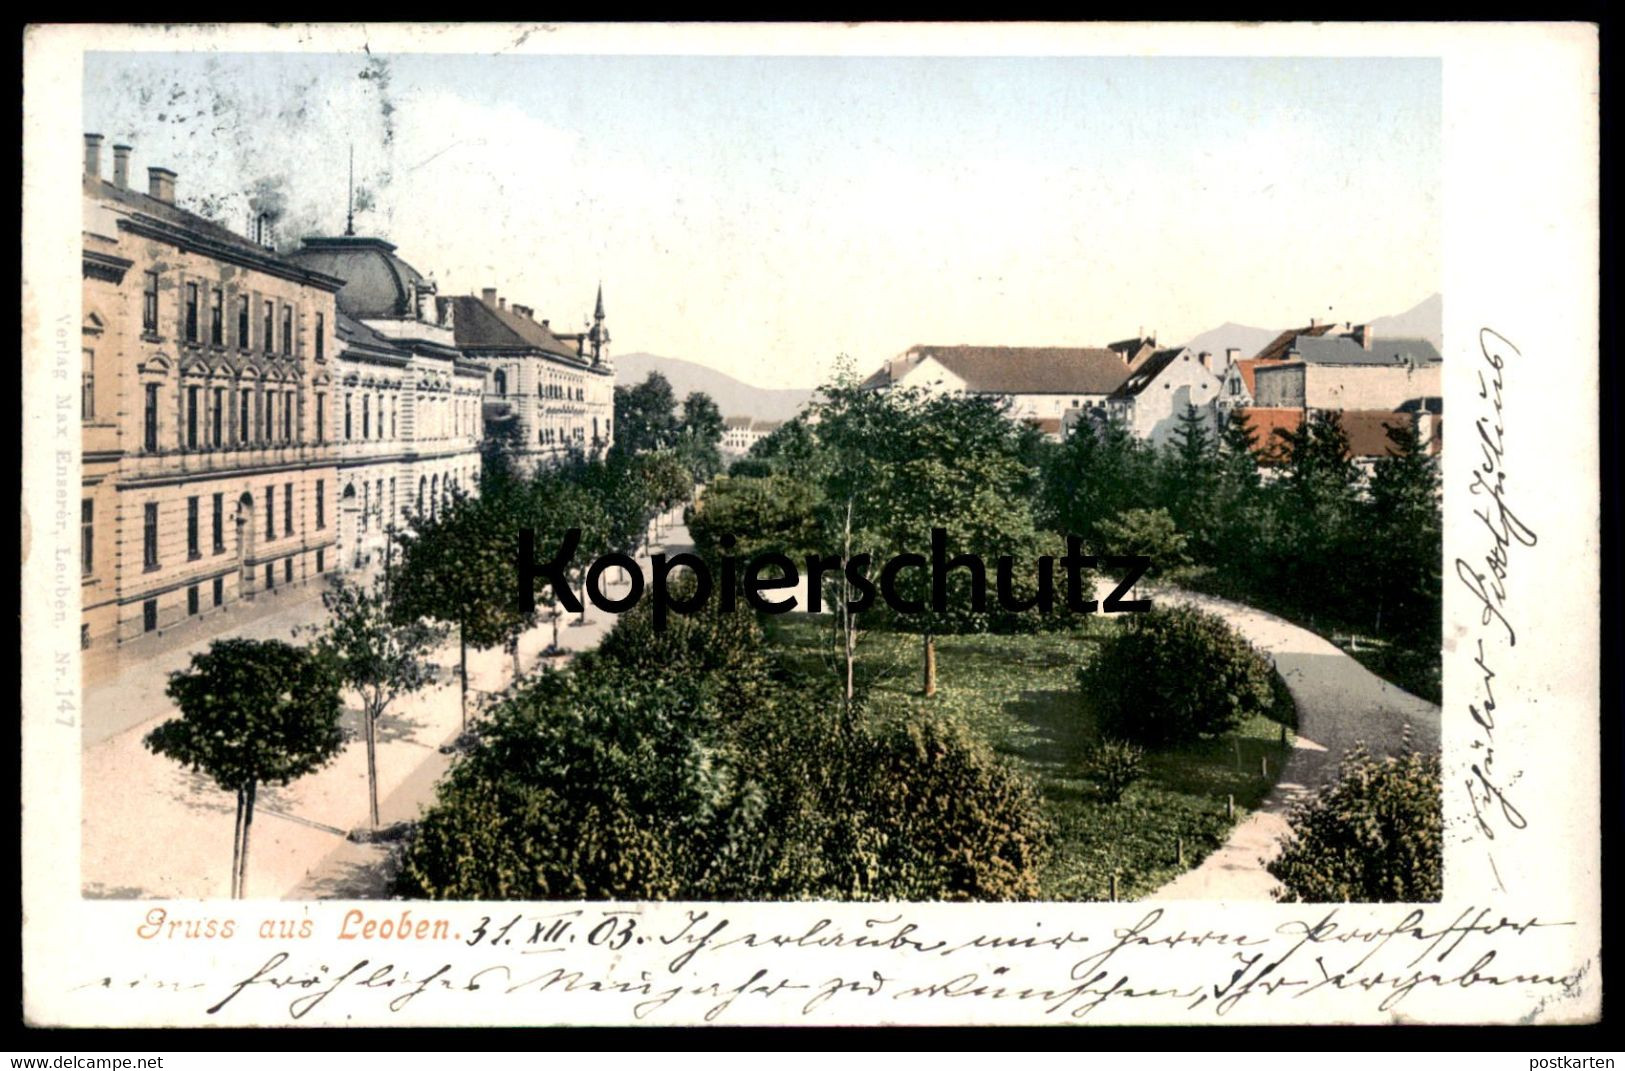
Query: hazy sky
[{"x": 762, "y": 215}]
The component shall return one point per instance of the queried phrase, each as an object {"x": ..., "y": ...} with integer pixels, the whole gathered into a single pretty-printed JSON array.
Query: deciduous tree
[{"x": 253, "y": 712}]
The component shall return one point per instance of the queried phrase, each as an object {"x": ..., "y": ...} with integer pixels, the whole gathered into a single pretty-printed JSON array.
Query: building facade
[
  {"x": 1046, "y": 386},
  {"x": 740, "y": 433},
  {"x": 553, "y": 393},
  {"x": 208, "y": 369},
  {"x": 406, "y": 421},
  {"x": 1158, "y": 392}
]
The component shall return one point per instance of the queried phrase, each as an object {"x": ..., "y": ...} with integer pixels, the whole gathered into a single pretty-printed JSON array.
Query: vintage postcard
[{"x": 810, "y": 524}]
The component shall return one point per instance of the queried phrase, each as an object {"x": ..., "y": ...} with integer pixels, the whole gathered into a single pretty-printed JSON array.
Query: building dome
[{"x": 378, "y": 284}]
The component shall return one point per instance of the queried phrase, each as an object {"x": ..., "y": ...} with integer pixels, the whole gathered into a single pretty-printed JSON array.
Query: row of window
[
  {"x": 432, "y": 423},
  {"x": 194, "y": 595},
  {"x": 263, "y": 416},
  {"x": 266, "y": 416},
  {"x": 193, "y": 322},
  {"x": 432, "y": 492},
  {"x": 217, "y": 525},
  {"x": 556, "y": 436},
  {"x": 499, "y": 385}
]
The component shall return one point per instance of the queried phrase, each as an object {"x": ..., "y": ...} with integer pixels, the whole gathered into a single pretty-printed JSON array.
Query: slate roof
[
  {"x": 1434, "y": 405},
  {"x": 482, "y": 326},
  {"x": 376, "y": 280},
  {"x": 190, "y": 223},
  {"x": 1285, "y": 341},
  {"x": 1016, "y": 369},
  {"x": 1140, "y": 377},
  {"x": 1384, "y": 351},
  {"x": 355, "y": 335},
  {"x": 167, "y": 213}
]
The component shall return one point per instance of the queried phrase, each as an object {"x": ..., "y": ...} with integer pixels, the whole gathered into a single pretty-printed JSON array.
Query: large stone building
[
  {"x": 554, "y": 393},
  {"x": 209, "y": 371},
  {"x": 406, "y": 420},
  {"x": 1342, "y": 373}
]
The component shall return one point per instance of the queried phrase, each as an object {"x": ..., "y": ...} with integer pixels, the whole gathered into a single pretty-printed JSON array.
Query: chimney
[
  {"x": 1313, "y": 322},
  {"x": 93, "y": 156},
  {"x": 121, "y": 166},
  {"x": 161, "y": 184},
  {"x": 1207, "y": 360},
  {"x": 1365, "y": 336},
  {"x": 489, "y": 295},
  {"x": 502, "y": 303},
  {"x": 1231, "y": 356},
  {"x": 546, "y": 323}
]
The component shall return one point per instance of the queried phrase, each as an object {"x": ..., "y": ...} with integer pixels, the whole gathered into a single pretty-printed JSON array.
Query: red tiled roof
[
  {"x": 1244, "y": 366},
  {"x": 1367, "y": 430},
  {"x": 1266, "y": 422}
]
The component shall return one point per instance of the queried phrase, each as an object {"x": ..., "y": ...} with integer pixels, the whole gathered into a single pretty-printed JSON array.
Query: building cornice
[{"x": 105, "y": 266}]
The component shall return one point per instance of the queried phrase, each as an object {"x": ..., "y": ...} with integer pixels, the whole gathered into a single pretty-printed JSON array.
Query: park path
[
  {"x": 150, "y": 829},
  {"x": 1340, "y": 703}
]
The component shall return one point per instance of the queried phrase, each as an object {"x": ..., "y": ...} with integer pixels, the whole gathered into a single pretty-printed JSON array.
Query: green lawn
[{"x": 1019, "y": 693}]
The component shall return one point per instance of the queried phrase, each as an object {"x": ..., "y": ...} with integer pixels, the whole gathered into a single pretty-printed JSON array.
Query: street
[{"x": 151, "y": 829}]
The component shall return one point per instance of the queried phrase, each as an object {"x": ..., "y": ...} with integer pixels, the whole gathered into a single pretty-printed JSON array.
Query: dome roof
[{"x": 377, "y": 282}]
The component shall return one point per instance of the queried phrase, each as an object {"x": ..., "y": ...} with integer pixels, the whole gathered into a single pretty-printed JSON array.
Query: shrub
[
  {"x": 1373, "y": 836},
  {"x": 724, "y": 652},
  {"x": 1175, "y": 675},
  {"x": 1114, "y": 766},
  {"x": 936, "y": 816},
  {"x": 600, "y": 785}
]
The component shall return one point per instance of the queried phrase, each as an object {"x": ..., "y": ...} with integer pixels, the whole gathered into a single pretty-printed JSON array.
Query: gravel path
[{"x": 1340, "y": 703}]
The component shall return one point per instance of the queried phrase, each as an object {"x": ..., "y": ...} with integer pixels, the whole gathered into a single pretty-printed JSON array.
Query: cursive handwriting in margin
[
  {"x": 1488, "y": 790},
  {"x": 706, "y": 964}
]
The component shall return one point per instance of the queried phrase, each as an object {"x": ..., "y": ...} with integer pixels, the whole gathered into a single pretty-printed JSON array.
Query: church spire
[{"x": 598, "y": 335}]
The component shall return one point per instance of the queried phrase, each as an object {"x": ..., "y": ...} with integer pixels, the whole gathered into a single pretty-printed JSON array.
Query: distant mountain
[
  {"x": 1424, "y": 321},
  {"x": 1249, "y": 340},
  {"x": 732, "y": 397}
]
